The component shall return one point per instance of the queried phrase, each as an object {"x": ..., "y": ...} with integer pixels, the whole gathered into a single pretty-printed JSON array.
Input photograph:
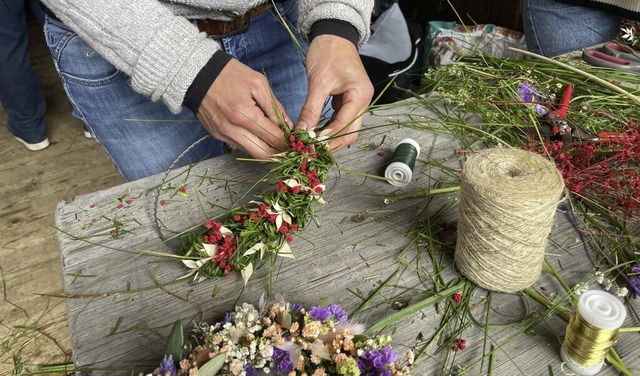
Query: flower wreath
[
  {"x": 264, "y": 227},
  {"x": 283, "y": 339}
]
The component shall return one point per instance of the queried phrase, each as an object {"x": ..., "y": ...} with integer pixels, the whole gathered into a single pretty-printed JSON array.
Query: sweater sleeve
[
  {"x": 334, "y": 27},
  {"x": 623, "y": 8},
  {"x": 161, "y": 52},
  {"x": 357, "y": 13}
]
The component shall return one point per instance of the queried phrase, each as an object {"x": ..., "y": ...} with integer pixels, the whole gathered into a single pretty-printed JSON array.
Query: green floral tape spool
[{"x": 400, "y": 171}]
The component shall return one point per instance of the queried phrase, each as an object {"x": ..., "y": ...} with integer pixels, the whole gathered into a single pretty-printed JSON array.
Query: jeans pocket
[{"x": 75, "y": 60}]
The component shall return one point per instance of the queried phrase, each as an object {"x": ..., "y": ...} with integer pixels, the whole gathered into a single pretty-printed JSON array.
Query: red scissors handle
[
  {"x": 561, "y": 109},
  {"x": 614, "y": 137}
]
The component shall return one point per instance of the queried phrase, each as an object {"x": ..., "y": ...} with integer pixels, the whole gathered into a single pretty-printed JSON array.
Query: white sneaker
[{"x": 34, "y": 146}]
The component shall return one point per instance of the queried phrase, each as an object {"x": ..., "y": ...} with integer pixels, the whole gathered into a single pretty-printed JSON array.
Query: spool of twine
[
  {"x": 508, "y": 201},
  {"x": 593, "y": 329}
]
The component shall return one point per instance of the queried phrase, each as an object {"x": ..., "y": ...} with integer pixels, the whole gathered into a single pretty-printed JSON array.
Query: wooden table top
[{"x": 124, "y": 296}]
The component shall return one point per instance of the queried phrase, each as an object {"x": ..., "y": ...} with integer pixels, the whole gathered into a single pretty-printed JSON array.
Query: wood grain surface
[{"x": 126, "y": 292}]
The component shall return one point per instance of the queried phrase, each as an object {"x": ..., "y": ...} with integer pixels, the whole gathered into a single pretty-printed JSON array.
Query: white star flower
[
  {"x": 282, "y": 214},
  {"x": 628, "y": 34},
  {"x": 258, "y": 247},
  {"x": 285, "y": 251},
  {"x": 246, "y": 272}
]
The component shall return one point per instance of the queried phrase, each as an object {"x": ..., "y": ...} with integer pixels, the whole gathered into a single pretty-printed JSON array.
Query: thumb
[{"x": 312, "y": 109}]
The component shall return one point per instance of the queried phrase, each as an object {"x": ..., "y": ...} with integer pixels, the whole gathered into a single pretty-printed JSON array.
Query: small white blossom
[
  {"x": 622, "y": 292},
  {"x": 323, "y": 136},
  {"x": 410, "y": 357},
  {"x": 599, "y": 276},
  {"x": 580, "y": 288}
]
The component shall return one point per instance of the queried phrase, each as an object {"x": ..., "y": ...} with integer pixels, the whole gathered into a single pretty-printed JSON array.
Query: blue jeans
[
  {"x": 20, "y": 93},
  {"x": 552, "y": 28},
  {"x": 143, "y": 137}
]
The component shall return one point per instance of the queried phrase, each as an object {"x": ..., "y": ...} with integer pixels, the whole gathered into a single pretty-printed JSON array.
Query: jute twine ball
[{"x": 508, "y": 201}]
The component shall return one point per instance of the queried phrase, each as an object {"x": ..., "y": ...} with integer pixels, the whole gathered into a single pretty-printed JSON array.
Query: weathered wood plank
[{"x": 123, "y": 300}]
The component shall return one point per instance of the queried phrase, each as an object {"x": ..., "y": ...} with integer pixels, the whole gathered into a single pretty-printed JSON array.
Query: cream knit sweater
[
  {"x": 154, "y": 42},
  {"x": 632, "y": 5}
]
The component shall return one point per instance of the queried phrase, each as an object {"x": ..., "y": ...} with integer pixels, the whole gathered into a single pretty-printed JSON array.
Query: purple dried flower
[
  {"x": 384, "y": 357},
  {"x": 249, "y": 370},
  {"x": 319, "y": 313},
  {"x": 168, "y": 366},
  {"x": 228, "y": 317},
  {"x": 634, "y": 280},
  {"x": 323, "y": 314},
  {"x": 295, "y": 307},
  {"x": 541, "y": 109},
  {"x": 283, "y": 360},
  {"x": 338, "y": 313},
  {"x": 375, "y": 362},
  {"x": 529, "y": 93}
]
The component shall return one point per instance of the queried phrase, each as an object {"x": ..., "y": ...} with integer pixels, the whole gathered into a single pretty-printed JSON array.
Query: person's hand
[
  {"x": 335, "y": 69},
  {"x": 239, "y": 109}
]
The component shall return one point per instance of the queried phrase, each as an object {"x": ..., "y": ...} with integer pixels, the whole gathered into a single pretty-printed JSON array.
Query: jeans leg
[
  {"x": 141, "y": 137},
  {"x": 552, "y": 28},
  {"x": 20, "y": 92}
]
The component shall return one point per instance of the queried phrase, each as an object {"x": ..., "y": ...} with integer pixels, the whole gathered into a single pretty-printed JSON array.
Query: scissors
[
  {"x": 620, "y": 51},
  {"x": 556, "y": 127},
  {"x": 612, "y": 56}
]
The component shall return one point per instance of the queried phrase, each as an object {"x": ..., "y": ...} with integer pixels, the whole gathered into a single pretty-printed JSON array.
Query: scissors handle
[
  {"x": 614, "y": 137},
  {"x": 620, "y": 51},
  {"x": 600, "y": 59},
  {"x": 561, "y": 109}
]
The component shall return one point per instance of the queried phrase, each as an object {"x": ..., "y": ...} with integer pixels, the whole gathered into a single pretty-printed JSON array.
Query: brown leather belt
[{"x": 219, "y": 29}]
